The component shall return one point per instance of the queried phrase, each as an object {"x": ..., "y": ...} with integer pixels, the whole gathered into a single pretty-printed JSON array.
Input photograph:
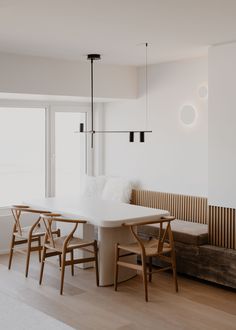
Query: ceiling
[{"x": 70, "y": 29}]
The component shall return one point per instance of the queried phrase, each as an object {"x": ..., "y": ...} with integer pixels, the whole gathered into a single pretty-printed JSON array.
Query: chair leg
[
  {"x": 39, "y": 244},
  {"x": 11, "y": 250},
  {"x": 62, "y": 271},
  {"x": 42, "y": 265},
  {"x": 175, "y": 279},
  {"x": 116, "y": 266},
  {"x": 173, "y": 261},
  {"x": 96, "y": 261},
  {"x": 58, "y": 235},
  {"x": 28, "y": 257},
  {"x": 59, "y": 261},
  {"x": 150, "y": 269},
  {"x": 72, "y": 262},
  {"x": 144, "y": 273}
]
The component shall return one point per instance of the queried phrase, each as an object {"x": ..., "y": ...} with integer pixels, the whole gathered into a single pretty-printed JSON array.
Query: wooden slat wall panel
[
  {"x": 188, "y": 208},
  {"x": 221, "y": 220},
  {"x": 222, "y": 227}
]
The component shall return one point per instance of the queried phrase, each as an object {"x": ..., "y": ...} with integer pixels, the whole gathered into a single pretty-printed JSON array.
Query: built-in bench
[
  {"x": 184, "y": 232},
  {"x": 194, "y": 255}
]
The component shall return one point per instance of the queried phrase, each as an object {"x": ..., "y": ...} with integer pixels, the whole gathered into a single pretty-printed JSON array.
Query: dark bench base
[{"x": 207, "y": 262}]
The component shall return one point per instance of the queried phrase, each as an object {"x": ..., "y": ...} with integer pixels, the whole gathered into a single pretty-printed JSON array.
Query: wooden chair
[
  {"x": 161, "y": 247},
  {"x": 66, "y": 244},
  {"x": 27, "y": 235}
]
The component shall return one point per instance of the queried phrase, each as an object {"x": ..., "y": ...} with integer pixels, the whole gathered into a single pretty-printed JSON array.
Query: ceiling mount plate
[{"x": 94, "y": 57}]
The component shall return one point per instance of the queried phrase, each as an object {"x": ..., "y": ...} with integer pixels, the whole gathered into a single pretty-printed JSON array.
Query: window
[
  {"x": 22, "y": 154},
  {"x": 70, "y": 152},
  {"x": 40, "y": 154}
]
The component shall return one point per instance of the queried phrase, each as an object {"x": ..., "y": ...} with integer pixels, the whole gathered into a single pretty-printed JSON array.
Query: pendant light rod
[
  {"x": 92, "y": 103},
  {"x": 146, "y": 78},
  {"x": 92, "y": 94},
  {"x": 92, "y": 57}
]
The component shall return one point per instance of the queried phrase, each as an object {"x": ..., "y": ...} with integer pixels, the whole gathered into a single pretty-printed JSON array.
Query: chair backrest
[
  {"x": 165, "y": 232},
  {"x": 17, "y": 211},
  {"x": 48, "y": 220}
]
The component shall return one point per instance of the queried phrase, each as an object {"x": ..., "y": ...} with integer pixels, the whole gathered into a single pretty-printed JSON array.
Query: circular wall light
[
  {"x": 203, "y": 92},
  {"x": 188, "y": 115}
]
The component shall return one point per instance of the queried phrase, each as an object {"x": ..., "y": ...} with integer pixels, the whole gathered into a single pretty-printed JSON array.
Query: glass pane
[
  {"x": 70, "y": 153},
  {"x": 22, "y": 154}
]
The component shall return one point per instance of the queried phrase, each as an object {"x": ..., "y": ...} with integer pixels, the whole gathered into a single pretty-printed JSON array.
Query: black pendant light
[
  {"x": 92, "y": 131},
  {"x": 131, "y": 136},
  {"x": 142, "y": 137}
]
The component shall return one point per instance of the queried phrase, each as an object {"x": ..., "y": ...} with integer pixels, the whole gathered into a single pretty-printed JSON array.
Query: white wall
[
  {"x": 174, "y": 158},
  {"x": 222, "y": 125},
  {"x": 38, "y": 75}
]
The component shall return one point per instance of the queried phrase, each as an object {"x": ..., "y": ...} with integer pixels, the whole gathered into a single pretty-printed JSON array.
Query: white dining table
[{"x": 105, "y": 218}]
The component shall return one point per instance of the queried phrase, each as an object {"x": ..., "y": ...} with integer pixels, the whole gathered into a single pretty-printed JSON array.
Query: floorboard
[{"x": 198, "y": 305}]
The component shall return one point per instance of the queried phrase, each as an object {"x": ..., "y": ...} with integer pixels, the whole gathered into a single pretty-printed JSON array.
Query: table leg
[{"x": 107, "y": 238}]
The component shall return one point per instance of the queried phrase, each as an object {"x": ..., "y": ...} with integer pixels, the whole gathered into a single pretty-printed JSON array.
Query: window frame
[
  {"x": 50, "y": 129},
  {"x": 50, "y": 111}
]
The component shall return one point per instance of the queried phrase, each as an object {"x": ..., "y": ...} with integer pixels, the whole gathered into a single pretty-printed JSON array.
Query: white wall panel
[
  {"x": 174, "y": 158},
  {"x": 222, "y": 125}
]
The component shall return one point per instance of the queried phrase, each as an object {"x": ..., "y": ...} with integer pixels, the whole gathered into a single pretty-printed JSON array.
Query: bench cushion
[{"x": 183, "y": 231}]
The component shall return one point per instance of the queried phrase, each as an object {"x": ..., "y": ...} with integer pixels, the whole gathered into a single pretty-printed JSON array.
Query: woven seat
[
  {"x": 74, "y": 243},
  {"x": 25, "y": 232},
  {"x": 161, "y": 247},
  {"x": 151, "y": 248}
]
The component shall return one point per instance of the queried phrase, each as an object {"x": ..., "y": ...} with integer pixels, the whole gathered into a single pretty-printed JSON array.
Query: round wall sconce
[
  {"x": 203, "y": 92},
  {"x": 188, "y": 115}
]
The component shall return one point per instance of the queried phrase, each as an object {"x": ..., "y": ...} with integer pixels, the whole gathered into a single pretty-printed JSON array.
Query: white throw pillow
[
  {"x": 117, "y": 189},
  {"x": 93, "y": 186}
]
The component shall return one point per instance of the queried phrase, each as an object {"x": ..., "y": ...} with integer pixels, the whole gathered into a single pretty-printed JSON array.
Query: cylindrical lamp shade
[
  {"x": 81, "y": 127},
  {"x": 131, "y": 136},
  {"x": 142, "y": 138}
]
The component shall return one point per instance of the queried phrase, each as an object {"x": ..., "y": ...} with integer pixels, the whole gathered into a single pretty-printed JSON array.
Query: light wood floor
[{"x": 84, "y": 306}]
